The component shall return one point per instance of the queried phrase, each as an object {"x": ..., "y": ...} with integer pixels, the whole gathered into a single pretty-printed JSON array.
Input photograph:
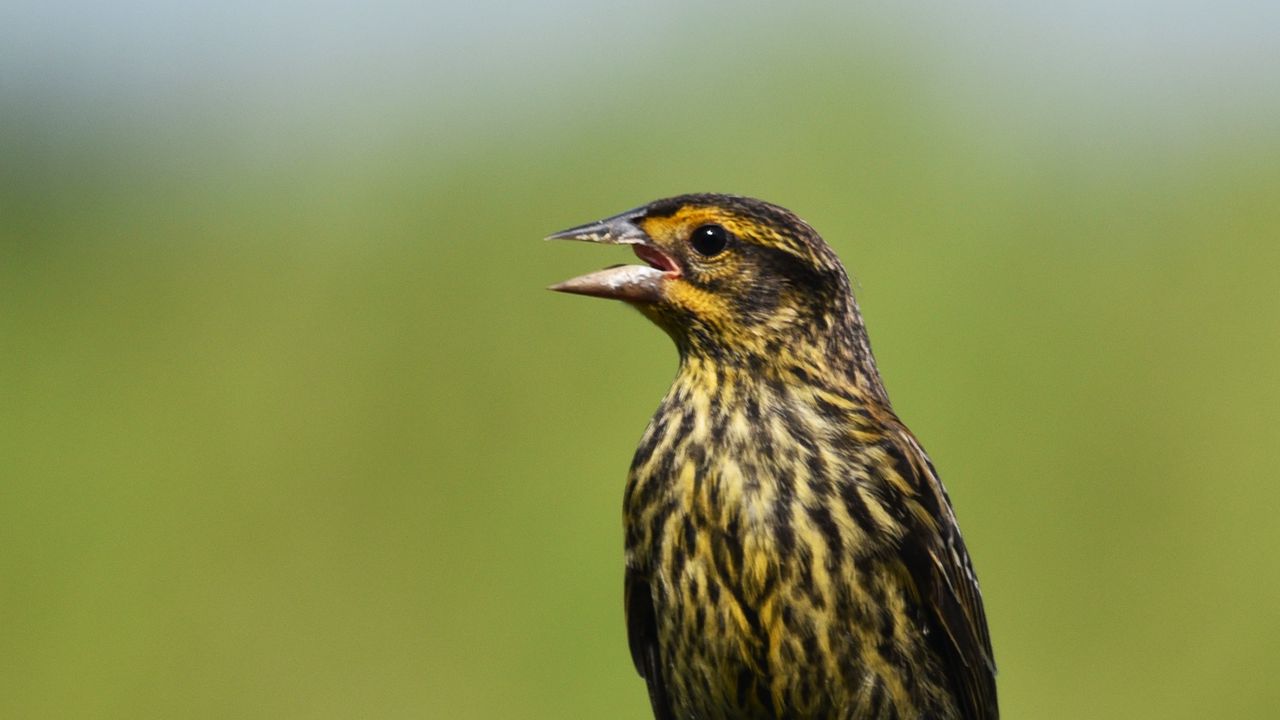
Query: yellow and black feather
[{"x": 790, "y": 550}]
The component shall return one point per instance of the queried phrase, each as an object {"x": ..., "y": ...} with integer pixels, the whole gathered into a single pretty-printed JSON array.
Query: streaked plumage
[{"x": 790, "y": 551}]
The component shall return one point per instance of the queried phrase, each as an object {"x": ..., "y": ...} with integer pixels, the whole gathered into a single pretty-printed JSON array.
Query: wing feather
[
  {"x": 938, "y": 562},
  {"x": 642, "y": 637}
]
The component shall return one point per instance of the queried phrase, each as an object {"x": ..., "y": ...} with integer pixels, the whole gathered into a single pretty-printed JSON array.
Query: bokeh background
[{"x": 289, "y": 427}]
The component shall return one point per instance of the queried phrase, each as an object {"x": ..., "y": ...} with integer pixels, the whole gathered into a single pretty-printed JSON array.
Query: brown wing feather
[
  {"x": 939, "y": 564},
  {"x": 642, "y": 636}
]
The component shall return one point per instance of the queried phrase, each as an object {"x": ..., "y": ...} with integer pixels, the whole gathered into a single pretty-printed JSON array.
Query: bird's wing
[
  {"x": 642, "y": 636},
  {"x": 939, "y": 564}
]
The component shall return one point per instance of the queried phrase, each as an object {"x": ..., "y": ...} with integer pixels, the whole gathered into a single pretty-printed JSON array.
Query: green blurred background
[{"x": 290, "y": 429}]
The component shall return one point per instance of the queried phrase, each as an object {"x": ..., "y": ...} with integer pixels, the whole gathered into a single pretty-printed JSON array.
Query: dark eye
[{"x": 709, "y": 240}]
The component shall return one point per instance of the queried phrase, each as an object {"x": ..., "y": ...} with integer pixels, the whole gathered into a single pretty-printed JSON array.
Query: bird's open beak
[{"x": 632, "y": 283}]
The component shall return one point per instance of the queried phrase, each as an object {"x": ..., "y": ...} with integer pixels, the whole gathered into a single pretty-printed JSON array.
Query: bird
[{"x": 790, "y": 551}]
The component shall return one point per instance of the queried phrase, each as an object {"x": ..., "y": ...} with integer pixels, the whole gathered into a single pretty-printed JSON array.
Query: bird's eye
[{"x": 709, "y": 240}]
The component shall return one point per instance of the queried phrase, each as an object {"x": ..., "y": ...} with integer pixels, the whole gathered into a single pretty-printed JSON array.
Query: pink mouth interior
[{"x": 656, "y": 259}]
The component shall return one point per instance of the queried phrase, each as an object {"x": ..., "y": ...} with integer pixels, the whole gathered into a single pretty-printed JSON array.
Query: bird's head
[{"x": 727, "y": 276}]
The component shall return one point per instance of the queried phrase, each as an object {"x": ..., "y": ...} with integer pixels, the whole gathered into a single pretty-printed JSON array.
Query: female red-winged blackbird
[{"x": 790, "y": 550}]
